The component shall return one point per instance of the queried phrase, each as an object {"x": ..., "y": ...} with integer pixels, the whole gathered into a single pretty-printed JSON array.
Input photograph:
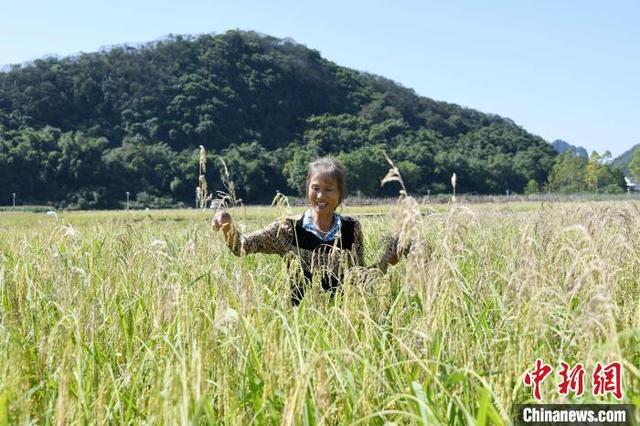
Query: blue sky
[{"x": 562, "y": 69}]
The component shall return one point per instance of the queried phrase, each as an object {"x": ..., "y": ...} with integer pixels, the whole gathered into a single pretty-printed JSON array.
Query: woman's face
[{"x": 323, "y": 193}]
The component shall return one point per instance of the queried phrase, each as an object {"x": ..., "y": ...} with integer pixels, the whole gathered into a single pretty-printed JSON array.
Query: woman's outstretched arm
[
  {"x": 222, "y": 221},
  {"x": 275, "y": 238}
]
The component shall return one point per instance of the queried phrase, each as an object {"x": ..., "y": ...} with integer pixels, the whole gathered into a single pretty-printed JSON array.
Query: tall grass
[{"x": 146, "y": 317}]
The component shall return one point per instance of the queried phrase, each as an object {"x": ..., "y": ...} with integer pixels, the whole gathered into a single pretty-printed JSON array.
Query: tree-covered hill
[
  {"x": 623, "y": 160},
  {"x": 83, "y": 130}
]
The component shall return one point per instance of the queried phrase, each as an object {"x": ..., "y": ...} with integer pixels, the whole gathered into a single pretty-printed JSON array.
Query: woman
[{"x": 323, "y": 240}]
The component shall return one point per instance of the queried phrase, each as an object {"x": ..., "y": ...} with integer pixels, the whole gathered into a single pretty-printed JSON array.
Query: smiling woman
[
  {"x": 325, "y": 188},
  {"x": 324, "y": 241}
]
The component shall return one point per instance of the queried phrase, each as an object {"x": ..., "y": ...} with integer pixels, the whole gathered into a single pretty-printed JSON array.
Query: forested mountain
[
  {"x": 623, "y": 160},
  {"x": 80, "y": 131}
]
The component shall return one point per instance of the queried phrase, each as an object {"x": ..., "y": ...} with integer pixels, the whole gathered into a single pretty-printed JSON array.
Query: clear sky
[{"x": 563, "y": 69}]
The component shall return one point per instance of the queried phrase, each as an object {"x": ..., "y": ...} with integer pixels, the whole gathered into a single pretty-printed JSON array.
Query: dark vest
[{"x": 306, "y": 240}]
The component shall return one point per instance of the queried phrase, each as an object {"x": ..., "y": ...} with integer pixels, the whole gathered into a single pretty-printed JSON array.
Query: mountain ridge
[{"x": 561, "y": 146}]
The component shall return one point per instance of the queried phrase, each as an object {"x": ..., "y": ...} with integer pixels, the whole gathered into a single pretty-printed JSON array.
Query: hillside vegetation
[
  {"x": 82, "y": 130},
  {"x": 623, "y": 160}
]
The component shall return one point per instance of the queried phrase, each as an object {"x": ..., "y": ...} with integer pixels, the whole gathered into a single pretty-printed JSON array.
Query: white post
[
  {"x": 127, "y": 200},
  {"x": 14, "y": 199}
]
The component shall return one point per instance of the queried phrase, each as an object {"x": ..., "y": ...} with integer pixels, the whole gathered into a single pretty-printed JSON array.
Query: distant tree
[
  {"x": 601, "y": 176},
  {"x": 568, "y": 173},
  {"x": 634, "y": 166},
  {"x": 592, "y": 171},
  {"x": 532, "y": 187},
  {"x": 611, "y": 179}
]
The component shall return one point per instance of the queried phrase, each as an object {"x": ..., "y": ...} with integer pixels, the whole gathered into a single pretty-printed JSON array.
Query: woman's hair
[{"x": 329, "y": 167}]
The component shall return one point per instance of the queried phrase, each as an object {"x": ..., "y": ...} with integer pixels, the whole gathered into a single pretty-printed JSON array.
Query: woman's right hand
[{"x": 221, "y": 220}]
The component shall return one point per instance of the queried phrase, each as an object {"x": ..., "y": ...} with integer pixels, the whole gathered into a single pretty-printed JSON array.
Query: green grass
[{"x": 144, "y": 316}]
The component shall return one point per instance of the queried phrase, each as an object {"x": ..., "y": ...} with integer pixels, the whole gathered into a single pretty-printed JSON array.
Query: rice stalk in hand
[
  {"x": 393, "y": 175},
  {"x": 203, "y": 195},
  {"x": 408, "y": 226},
  {"x": 229, "y": 195},
  {"x": 282, "y": 206}
]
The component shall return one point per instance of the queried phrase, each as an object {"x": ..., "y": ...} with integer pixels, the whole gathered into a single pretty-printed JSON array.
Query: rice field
[{"x": 145, "y": 317}]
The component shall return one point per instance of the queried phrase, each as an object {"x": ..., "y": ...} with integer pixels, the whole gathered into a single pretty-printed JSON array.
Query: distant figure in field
[{"x": 323, "y": 240}]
